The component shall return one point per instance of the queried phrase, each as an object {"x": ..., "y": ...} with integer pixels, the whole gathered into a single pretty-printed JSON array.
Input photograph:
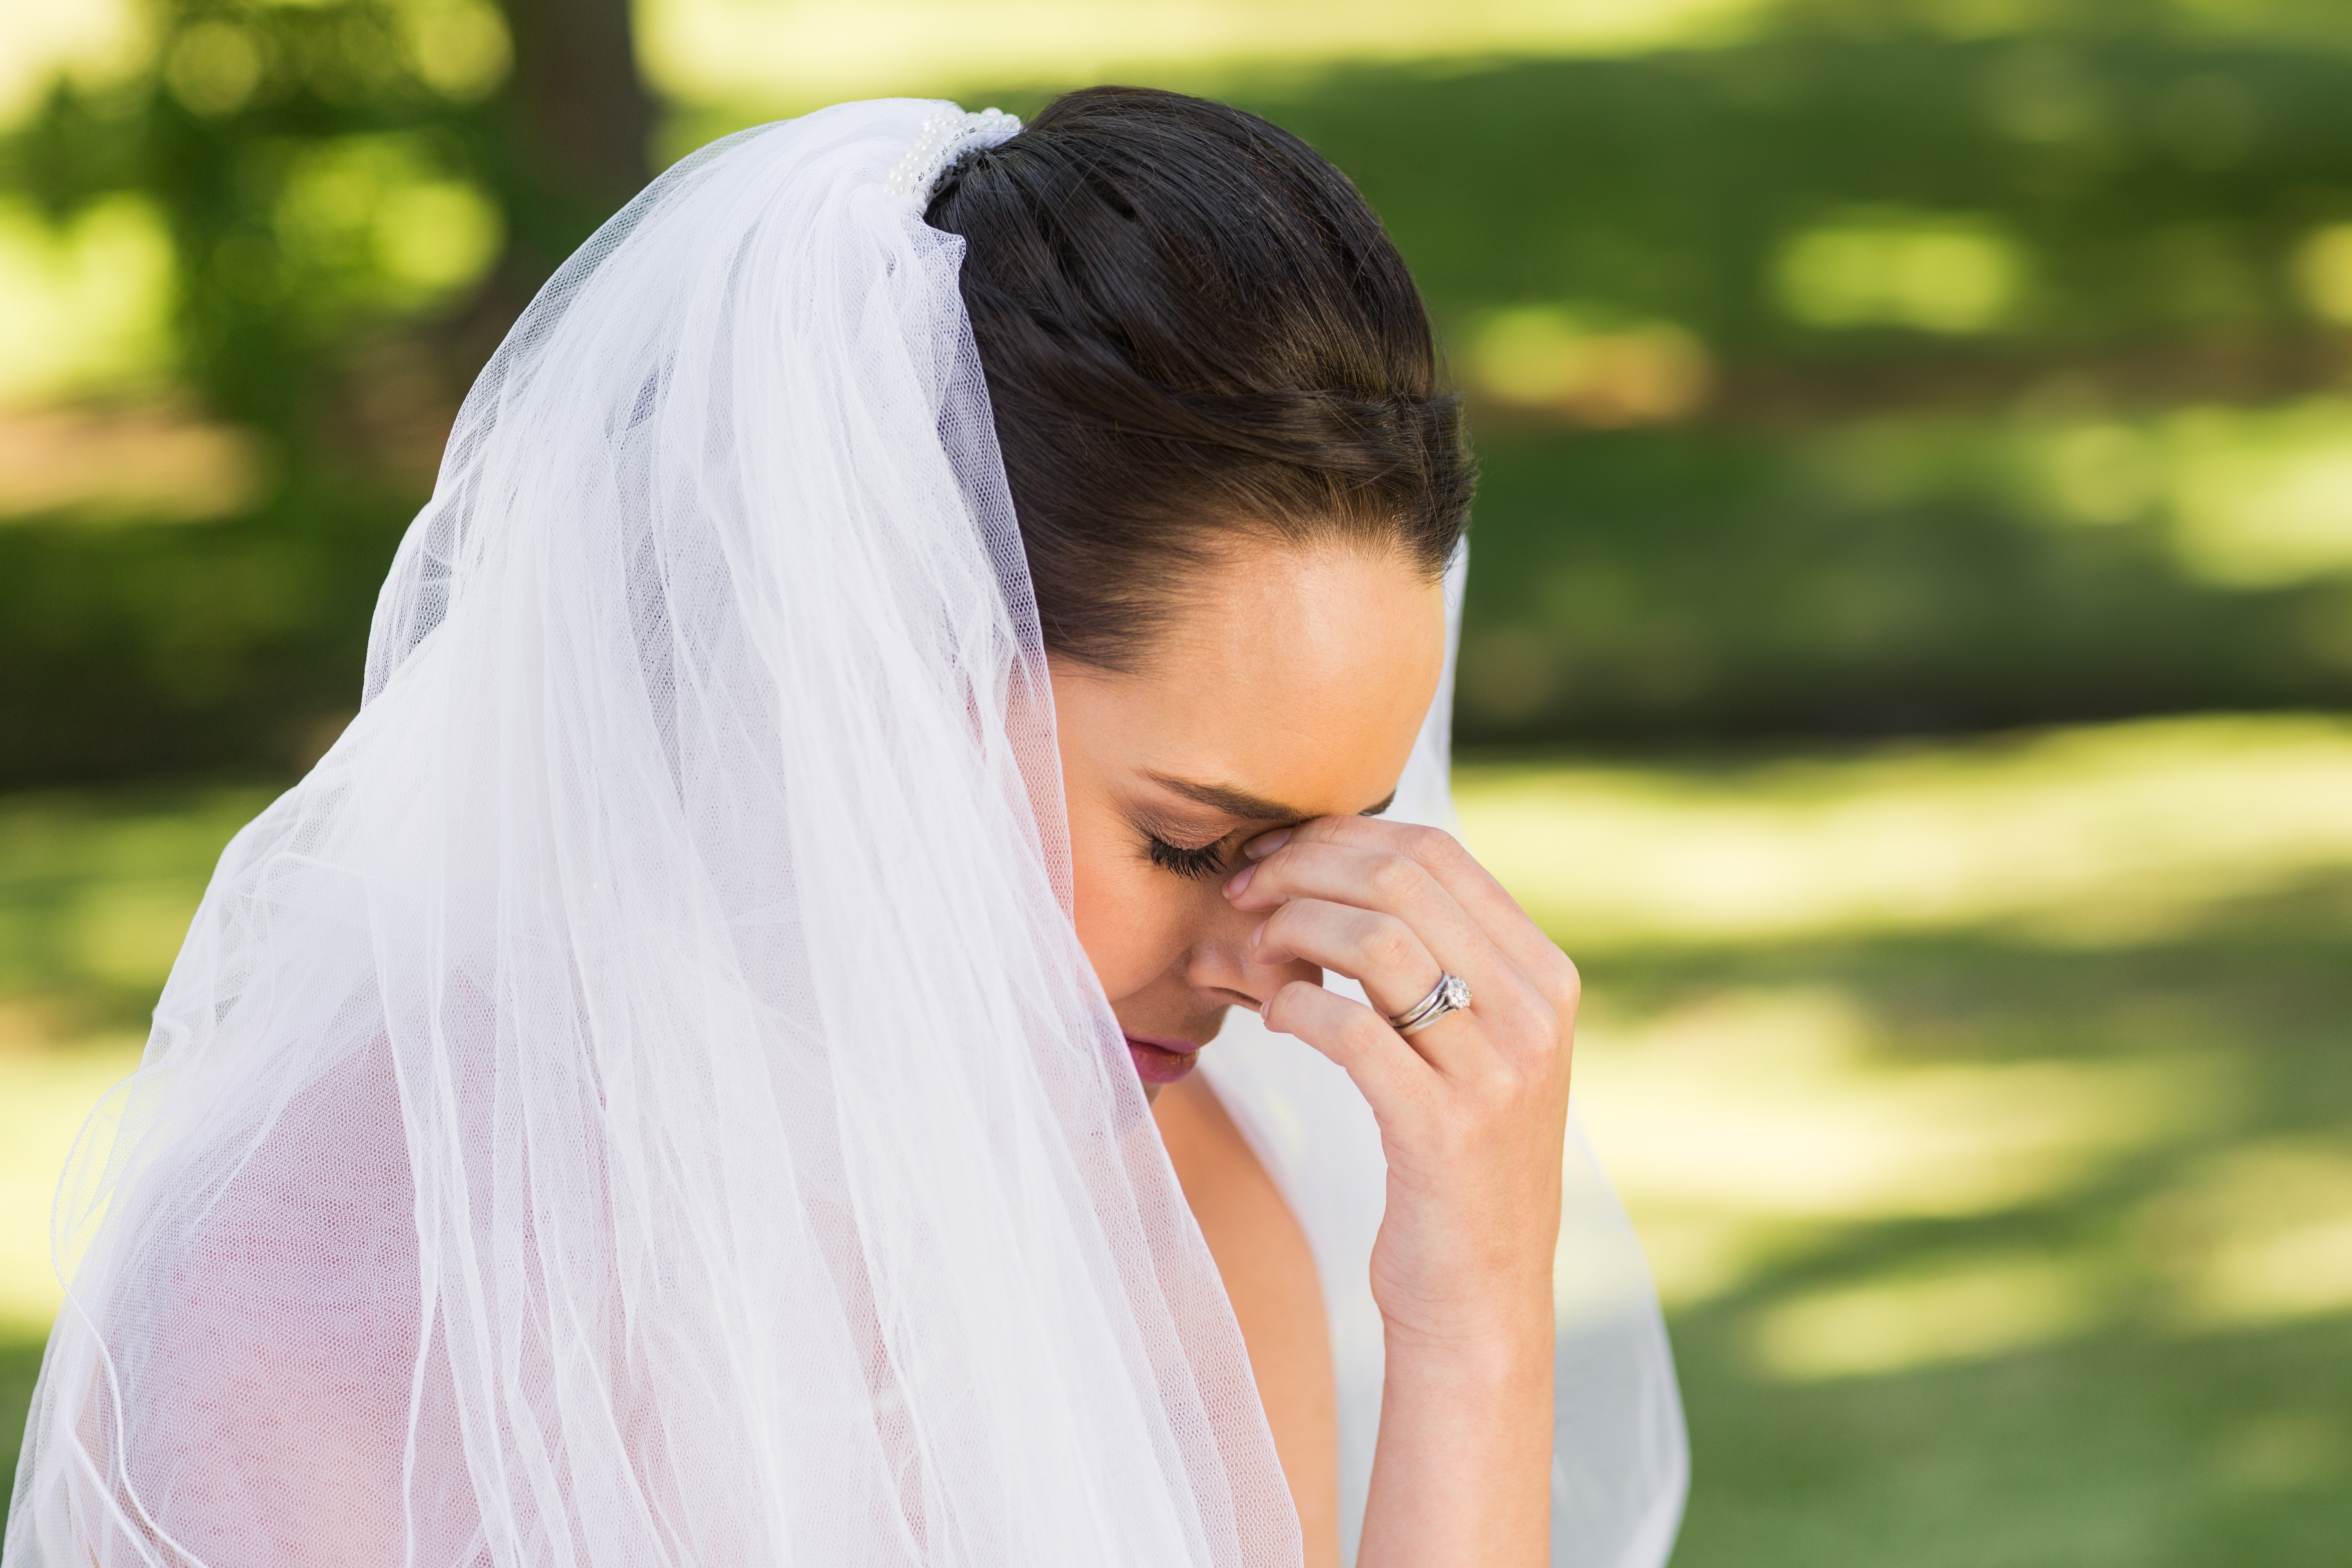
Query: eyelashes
[{"x": 1201, "y": 864}]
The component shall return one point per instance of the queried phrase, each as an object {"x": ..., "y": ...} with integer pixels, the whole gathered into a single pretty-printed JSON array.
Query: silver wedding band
[{"x": 1450, "y": 995}]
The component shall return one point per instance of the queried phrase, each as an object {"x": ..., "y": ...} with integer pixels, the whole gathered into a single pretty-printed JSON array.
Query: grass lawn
[
  {"x": 1987, "y": 1110},
  {"x": 1986, "y": 1107}
]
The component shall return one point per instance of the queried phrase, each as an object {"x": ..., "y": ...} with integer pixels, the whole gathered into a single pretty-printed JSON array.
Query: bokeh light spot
[
  {"x": 1557, "y": 358},
  {"x": 1933, "y": 273}
]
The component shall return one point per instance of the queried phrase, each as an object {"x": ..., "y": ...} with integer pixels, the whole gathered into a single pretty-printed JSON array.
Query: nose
[{"x": 1218, "y": 962}]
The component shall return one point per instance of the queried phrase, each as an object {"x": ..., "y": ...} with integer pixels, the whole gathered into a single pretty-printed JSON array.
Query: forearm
[{"x": 1462, "y": 1478}]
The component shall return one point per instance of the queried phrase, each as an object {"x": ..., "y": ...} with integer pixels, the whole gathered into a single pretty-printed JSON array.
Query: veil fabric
[{"x": 640, "y": 1099}]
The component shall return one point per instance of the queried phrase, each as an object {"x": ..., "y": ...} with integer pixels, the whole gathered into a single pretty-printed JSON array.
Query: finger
[
  {"x": 1393, "y": 1078},
  {"x": 1377, "y": 879},
  {"x": 1377, "y": 950},
  {"x": 1471, "y": 886},
  {"x": 1520, "y": 1006},
  {"x": 1435, "y": 850},
  {"x": 1381, "y": 952},
  {"x": 1521, "y": 1011}
]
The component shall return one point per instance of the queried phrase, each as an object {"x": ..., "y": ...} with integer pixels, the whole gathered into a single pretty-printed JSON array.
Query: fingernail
[
  {"x": 1266, "y": 844},
  {"x": 1255, "y": 934},
  {"x": 1241, "y": 881}
]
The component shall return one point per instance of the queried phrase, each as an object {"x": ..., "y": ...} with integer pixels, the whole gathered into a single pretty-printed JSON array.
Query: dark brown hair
[{"x": 1192, "y": 327}]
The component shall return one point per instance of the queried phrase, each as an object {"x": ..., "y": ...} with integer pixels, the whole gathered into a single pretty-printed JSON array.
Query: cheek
[{"x": 1131, "y": 920}]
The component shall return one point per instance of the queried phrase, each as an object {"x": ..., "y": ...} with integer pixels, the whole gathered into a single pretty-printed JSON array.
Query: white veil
[{"x": 640, "y": 1099}]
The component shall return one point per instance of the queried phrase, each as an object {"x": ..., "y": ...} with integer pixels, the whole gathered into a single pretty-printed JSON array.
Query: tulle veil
[{"x": 640, "y": 1099}]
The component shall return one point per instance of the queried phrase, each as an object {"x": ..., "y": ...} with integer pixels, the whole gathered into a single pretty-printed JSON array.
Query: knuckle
[
  {"x": 1433, "y": 846},
  {"x": 1395, "y": 877},
  {"x": 1532, "y": 1024},
  {"x": 1391, "y": 943},
  {"x": 1280, "y": 920},
  {"x": 1518, "y": 1008},
  {"x": 1567, "y": 985},
  {"x": 1282, "y": 1007},
  {"x": 1546, "y": 1037},
  {"x": 1507, "y": 1090},
  {"x": 1268, "y": 876}
]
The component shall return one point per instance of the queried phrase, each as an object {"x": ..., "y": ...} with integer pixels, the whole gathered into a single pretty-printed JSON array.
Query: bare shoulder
[{"x": 1269, "y": 1276}]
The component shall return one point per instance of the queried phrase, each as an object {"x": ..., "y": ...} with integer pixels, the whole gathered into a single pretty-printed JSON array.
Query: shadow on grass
[
  {"x": 2125, "y": 1447},
  {"x": 20, "y": 1368},
  {"x": 2151, "y": 1428}
]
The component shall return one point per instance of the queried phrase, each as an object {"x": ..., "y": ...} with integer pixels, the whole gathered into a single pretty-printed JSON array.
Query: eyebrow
[{"x": 1240, "y": 802}]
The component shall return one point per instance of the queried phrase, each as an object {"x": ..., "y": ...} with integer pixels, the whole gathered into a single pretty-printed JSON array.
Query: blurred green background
[{"x": 1913, "y": 603}]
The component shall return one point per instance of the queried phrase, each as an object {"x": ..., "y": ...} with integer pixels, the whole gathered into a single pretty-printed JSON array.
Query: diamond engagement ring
[{"x": 1448, "y": 995}]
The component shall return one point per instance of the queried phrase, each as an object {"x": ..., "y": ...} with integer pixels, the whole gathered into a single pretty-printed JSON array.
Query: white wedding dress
[{"x": 640, "y": 1099}]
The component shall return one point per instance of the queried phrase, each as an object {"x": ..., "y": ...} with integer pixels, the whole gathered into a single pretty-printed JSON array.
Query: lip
[{"x": 1161, "y": 1060}]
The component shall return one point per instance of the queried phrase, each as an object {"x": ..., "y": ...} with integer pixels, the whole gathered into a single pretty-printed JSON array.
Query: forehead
[{"x": 1297, "y": 674}]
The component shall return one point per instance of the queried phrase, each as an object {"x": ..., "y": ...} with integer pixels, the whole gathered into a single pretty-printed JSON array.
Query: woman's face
[{"x": 1291, "y": 688}]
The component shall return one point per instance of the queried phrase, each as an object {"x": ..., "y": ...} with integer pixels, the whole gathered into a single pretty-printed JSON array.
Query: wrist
[
  {"x": 1502, "y": 1342},
  {"x": 1461, "y": 1476},
  {"x": 1505, "y": 1311}
]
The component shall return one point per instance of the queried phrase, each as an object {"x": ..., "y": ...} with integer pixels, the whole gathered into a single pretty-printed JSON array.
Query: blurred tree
[
  {"x": 585, "y": 116},
  {"x": 332, "y": 172},
  {"x": 359, "y": 195},
  {"x": 581, "y": 122},
  {"x": 1901, "y": 364}
]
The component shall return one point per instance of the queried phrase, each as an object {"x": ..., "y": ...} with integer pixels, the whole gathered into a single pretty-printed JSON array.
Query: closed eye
[{"x": 1202, "y": 864}]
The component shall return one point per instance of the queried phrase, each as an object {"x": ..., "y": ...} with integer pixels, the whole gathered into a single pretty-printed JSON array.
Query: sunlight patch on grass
[
  {"x": 1750, "y": 1127},
  {"x": 95, "y": 895},
  {"x": 1986, "y": 1306},
  {"x": 2112, "y": 835},
  {"x": 1775, "y": 1103},
  {"x": 1744, "y": 1128},
  {"x": 44, "y": 1099},
  {"x": 2262, "y": 1234},
  {"x": 128, "y": 933},
  {"x": 709, "y": 50}
]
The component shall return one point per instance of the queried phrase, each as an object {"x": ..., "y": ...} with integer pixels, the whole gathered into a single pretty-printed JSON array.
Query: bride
[{"x": 922, "y": 623}]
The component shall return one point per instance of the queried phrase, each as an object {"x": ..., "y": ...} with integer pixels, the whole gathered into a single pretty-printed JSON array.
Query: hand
[
  {"x": 1472, "y": 1111},
  {"x": 1473, "y": 1108}
]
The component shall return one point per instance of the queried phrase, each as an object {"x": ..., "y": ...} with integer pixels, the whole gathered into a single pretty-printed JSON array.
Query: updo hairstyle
[{"x": 1195, "y": 331}]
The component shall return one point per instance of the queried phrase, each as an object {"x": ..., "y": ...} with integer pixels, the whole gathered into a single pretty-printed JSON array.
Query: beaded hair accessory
[{"x": 944, "y": 138}]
